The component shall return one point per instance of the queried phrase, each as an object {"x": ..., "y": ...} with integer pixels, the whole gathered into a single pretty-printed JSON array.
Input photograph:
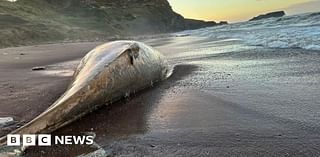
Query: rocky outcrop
[
  {"x": 194, "y": 24},
  {"x": 33, "y": 21},
  {"x": 269, "y": 15},
  {"x": 223, "y": 23}
]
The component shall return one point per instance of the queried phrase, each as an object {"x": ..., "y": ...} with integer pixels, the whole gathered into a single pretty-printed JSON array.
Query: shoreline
[{"x": 113, "y": 38}]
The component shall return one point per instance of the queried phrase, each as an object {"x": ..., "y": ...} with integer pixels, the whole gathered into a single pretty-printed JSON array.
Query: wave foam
[{"x": 298, "y": 31}]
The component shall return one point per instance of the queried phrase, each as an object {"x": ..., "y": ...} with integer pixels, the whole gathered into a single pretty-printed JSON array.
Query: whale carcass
[{"x": 106, "y": 74}]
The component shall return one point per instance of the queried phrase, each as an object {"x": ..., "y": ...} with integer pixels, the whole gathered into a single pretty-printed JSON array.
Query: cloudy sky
[{"x": 239, "y": 10}]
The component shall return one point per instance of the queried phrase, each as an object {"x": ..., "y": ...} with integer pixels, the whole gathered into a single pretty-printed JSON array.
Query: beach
[{"x": 222, "y": 100}]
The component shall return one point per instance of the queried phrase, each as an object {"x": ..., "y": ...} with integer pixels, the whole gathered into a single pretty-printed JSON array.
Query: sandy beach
[
  {"x": 237, "y": 103},
  {"x": 26, "y": 93}
]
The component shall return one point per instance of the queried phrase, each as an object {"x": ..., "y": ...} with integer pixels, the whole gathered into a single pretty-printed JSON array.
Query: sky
[{"x": 239, "y": 10}]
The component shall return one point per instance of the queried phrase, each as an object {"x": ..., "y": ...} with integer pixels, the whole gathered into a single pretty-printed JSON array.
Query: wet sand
[
  {"x": 26, "y": 93},
  {"x": 202, "y": 110}
]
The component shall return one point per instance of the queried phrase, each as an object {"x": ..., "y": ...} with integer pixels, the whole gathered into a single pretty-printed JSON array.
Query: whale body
[{"x": 106, "y": 74}]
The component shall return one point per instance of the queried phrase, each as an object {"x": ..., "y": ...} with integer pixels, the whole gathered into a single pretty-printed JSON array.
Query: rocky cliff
[
  {"x": 35, "y": 21},
  {"x": 269, "y": 15}
]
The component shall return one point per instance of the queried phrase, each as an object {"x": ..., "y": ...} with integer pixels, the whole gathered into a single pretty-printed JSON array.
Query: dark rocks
[
  {"x": 223, "y": 23},
  {"x": 315, "y": 14},
  {"x": 269, "y": 15},
  {"x": 152, "y": 145},
  {"x": 194, "y": 24},
  {"x": 38, "y": 68}
]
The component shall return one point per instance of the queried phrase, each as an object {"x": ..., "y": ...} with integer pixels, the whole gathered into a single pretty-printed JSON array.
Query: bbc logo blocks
[
  {"x": 48, "y": 140},
  {"x": 28, "y": 140},
  {"x": 44, "y": 140},
  {"x": 13, "y": 140}
]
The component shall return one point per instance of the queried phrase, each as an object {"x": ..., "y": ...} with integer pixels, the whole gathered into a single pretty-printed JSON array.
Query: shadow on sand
[{"x": 119, "y": 120}]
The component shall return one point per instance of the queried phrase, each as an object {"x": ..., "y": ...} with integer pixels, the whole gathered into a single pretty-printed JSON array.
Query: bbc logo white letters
[
  {"x": 13, "y": 140},
  {"x": 28, "y": 140},
  {"x": 44, "y": 140}
]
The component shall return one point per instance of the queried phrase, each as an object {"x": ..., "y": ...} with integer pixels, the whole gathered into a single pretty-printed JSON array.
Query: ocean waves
[{"x": 297, "y": 31}]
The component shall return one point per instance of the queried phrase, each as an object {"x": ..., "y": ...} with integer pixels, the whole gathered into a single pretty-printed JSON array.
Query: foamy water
[{"x": 298, "y": 31}]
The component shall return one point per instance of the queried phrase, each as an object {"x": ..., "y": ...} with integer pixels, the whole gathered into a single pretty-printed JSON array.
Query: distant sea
[{"x": 297, "y": 31}]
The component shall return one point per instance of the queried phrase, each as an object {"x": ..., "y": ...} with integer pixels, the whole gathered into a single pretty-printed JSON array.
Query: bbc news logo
[{"x": 47, "y": 140}]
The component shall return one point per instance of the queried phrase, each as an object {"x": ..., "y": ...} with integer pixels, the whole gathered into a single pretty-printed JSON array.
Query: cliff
[
  {"x": 38, "y": 21},
  {"x": 269, "y": 15}
]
